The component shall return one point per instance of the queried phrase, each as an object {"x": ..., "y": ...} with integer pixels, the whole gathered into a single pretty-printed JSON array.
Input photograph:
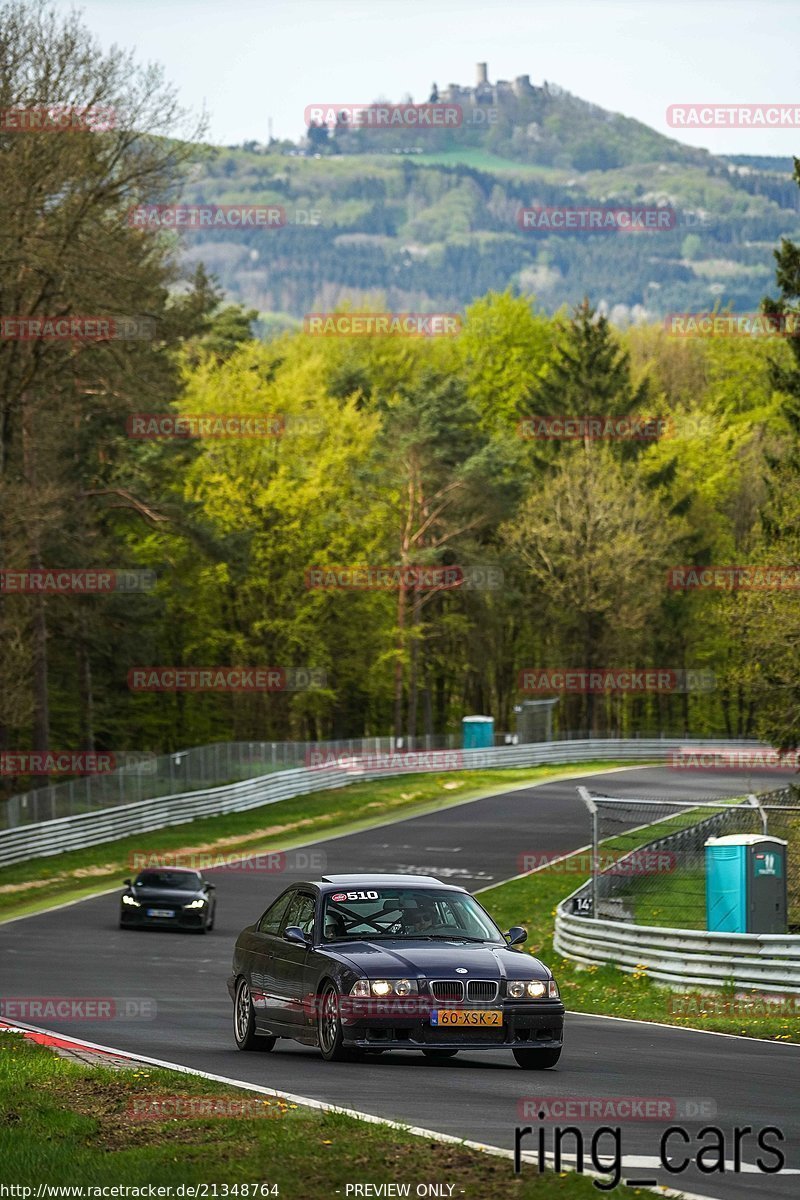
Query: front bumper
[
  {"x": 398, "y": 1025},
  {"x": 194, "y": 918}
]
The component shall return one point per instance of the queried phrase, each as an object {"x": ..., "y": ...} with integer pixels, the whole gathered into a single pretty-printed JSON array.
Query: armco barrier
[
  {"x": 768, "y": 962},
  {"x": 90, "y": 829}
]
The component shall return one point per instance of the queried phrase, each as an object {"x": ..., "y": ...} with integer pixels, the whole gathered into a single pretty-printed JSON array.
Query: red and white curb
[{"x": 104, "y": 1054}]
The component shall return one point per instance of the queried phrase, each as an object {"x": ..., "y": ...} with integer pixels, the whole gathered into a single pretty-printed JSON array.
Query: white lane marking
[
  {"x": 745, "y": 1168},
  {"x": 742, "y": 1037},
  {"x": 448, "y": 872},
  {"x": 368, "y": 1118}
]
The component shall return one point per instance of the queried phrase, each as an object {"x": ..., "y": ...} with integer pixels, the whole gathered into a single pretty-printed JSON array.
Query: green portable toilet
[
  {"x": 477, "y": 732},
  {"x": 746, "y": 883}
]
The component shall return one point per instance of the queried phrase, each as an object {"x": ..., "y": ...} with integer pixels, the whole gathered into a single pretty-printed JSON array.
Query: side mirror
[
  {"x": 516, "y": 935},
  {"x": 127, "y": 883},
  {"x": 295, "y": 935},
  {"x": 209, "y": 887}
]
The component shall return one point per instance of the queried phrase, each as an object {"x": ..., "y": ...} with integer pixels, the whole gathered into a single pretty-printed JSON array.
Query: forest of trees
[{"x": 390, "y": 451}]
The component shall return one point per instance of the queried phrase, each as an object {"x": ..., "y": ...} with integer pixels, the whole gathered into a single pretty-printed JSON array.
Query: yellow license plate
[{"x": 467, "y": 1016}]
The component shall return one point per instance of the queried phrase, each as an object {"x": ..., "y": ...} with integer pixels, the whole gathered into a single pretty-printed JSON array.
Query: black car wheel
[
  {"x": 439, "y": 1052},
  {"x": 329, "y": 1026},
  {"x": 537, "y": 1060},
  {"x": 244, "y": 1022}
]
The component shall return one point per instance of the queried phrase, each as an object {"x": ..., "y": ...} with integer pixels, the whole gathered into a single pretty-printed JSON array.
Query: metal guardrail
[
  {"x": 92, "y": 828},
  {"x": 768, "y": 962},
  {"x": 765, "y": 961}
]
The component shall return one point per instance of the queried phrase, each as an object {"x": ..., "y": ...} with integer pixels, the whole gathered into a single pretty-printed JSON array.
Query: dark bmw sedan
[
  {"x": 359, "y": 964},
  {"x": 177, "y": 898}
]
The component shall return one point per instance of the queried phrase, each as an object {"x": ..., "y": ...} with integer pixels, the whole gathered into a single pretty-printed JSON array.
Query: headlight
[
  {"x": 383, "y": 987},
  {"x": 195, "y": 904},
  {"x": 532, "y": 989},
  {"x": 130, "y": 900}
]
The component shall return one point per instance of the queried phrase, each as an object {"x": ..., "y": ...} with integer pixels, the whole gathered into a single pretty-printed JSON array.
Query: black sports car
[
  {"x": 176, "y": 898},
  {"x": 367, "y": 963}
]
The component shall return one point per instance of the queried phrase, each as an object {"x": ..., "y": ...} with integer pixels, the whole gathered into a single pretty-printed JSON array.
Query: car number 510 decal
[{"x": 338, "y": 896}]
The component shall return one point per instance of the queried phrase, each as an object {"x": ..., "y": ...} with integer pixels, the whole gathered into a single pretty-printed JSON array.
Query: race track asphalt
[{"x": 78, "y": 951}]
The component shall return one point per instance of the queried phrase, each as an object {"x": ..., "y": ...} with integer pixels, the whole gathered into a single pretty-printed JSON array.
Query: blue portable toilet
[
  {"x": 746, "y": 883},
  {"x": 477, "y": 732}
]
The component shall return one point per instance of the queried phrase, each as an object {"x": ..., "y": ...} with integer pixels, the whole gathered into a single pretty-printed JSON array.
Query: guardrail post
[
  {"x": 753, "y": 799},
  {"x": 590, "y": 804}
]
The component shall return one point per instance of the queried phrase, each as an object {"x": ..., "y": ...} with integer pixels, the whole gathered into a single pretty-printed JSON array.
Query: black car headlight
[
  {"x": 364, "y": 988},
  {"x": 533, "y": 989},
  {"x": 130, "y": 900}
]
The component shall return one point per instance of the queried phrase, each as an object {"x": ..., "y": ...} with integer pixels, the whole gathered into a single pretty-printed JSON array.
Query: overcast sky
[{"x": 250, "y": 60}]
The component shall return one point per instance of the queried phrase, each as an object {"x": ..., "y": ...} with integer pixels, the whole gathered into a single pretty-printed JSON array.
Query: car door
[
  {"x": 290, "y": 961},
  {"x": 258, "y": 945}
]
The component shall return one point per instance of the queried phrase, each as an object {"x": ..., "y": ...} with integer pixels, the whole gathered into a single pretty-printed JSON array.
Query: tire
[
  {"x": 537, "y": 1060},
  {"x": 210, "y": 924},
  {"x": 244, "y": 1022},
  {"x": 329, "y": 1027},
  {"x": 439, "y": 1052}
]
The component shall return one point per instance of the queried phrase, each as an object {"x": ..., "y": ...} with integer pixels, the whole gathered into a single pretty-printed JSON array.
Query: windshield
[
  {"x": 399, "y": 912},
  {"x": 185, "y": 881}
]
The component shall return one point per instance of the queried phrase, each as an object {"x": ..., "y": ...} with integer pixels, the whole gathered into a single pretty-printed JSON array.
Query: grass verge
[
  {"x": 64, "y": 1123},
  {"x": 33, "y": 885},
  {"x": 531, "y": 901}
]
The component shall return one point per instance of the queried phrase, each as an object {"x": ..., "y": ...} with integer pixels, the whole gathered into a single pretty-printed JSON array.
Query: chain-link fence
[
  {"x": 151, "y": 776},
  {"x": 648, "y": 853}
]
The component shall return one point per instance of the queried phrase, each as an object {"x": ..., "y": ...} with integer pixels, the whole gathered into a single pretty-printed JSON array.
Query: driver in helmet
[{"x": 422, "y": 916}]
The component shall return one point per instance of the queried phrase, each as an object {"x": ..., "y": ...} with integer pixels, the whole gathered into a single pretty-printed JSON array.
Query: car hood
[
  {"x": 163, "y": 895},
  {"x": 432, "y": 959}
]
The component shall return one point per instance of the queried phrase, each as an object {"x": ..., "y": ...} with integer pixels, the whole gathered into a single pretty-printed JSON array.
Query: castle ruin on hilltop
[{"x": 488, "y": 93}]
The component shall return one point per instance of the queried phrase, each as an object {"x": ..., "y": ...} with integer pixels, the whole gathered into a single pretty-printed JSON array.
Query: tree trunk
[
  {"x": 398, "y": 663},
  {"x": 41, "y": 708}
]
